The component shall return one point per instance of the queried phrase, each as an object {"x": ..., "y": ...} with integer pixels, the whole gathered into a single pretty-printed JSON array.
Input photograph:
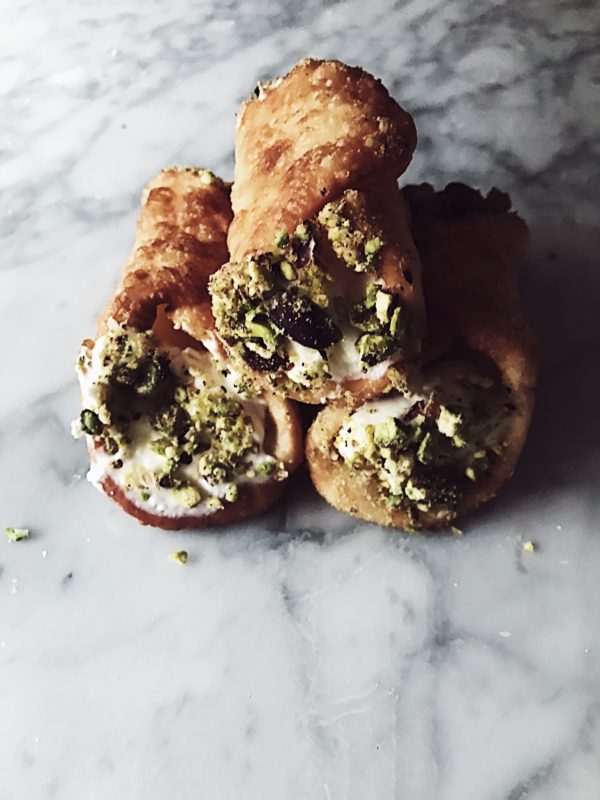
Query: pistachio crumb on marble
[
  {"x": 180, "y": 556},
  {"x": 17, "y": 534}
]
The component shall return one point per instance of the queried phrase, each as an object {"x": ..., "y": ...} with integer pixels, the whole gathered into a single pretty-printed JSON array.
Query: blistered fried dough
[
  {"x": 471, "y": 247},
  {"x": 175, "y": 436},
  {"x": 304, "y": 139},
  {"x": 323, "y": 288},
  {"x": 453, "y": 435},
  {"x": 181, "y": 240}
]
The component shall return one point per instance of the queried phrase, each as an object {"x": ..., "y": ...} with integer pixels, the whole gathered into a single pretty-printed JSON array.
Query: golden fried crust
[
  {"x": 283, "y": 441},
  {"x": 470, "y": 284},
  {"x": 181, "y": 240},
  {"x": 321, "y": 129},
  {"x": 469, "y": 271}
]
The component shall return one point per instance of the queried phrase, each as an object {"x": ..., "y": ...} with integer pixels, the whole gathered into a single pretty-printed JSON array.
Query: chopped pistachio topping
[
  {"x": 302, "y": 233},
  {"x": 188, "y": 496},
  {"x": 448, "y": 422},
  {"x": 349, "y": 242},
  {"x": 282, "y": 239},
  {"x": 232, "y": 493},
  {"x": 263, "y": 305},
  {"x": 180, "y": 556},
  {"x": 373, "y": 246},
  {"x": 91, "y": 423},
  {"x": 380, "y": 316},
  {"x": 288, "y": 271},
  {"x": 415, "y": 492},
  {"x": 423, "y": 452},
  {"x": 214, "y": 504},
  {"x": 16, "y": 534}
]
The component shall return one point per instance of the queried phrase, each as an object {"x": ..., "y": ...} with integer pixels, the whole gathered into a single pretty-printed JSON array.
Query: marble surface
[{"x": 304, "y": 655}]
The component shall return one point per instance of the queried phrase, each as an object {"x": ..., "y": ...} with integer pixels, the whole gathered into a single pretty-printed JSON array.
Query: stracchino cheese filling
[
  {"x": 176, "y": 431},
  {"x": 427, "y": 445},
  {"x": 284, "y": 314}
]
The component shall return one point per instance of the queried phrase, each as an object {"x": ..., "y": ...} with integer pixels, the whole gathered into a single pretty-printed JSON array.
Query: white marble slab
[{"x": 303, "y": 655}]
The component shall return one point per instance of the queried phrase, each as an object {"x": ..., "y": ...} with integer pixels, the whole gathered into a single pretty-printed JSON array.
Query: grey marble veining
[{"x": 304, "y": 655}]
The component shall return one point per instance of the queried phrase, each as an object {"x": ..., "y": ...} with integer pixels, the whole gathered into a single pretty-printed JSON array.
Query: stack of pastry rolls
[{"x": 310, "y": 284}]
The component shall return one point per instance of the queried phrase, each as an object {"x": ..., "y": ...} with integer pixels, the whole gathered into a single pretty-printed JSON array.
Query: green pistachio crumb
[
  {"x": 448, "y": 422},
  {"x": 288, "y": 271},
  {"x": 396, "y": 322},
  {"x": 373, "y": 246},
  {"x": 91, "y": 423},
  {"x": 374, "y": 348},
  {"x": 388, "y": 432},
  {"x": 111, "y": 446},
  {"x": 266, "y": 468},
  {"x": 261, "y": 329},
  {"x": 413, "y": 492},
  {"x": 282, "y": 239},
  {"x": 214, "y": 503},
  {"x": 16, "y": 534},
  {"x": 232, "y": 493},
  {"x": 423, "y": 452},
  {"x": 395, "y": 500},
  {"x": 188, "y": 496},
  {"x": 180, "y": 556},
  {"x": 302, "y": 233}
]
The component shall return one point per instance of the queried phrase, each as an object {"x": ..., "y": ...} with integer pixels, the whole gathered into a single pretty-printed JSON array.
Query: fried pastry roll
[
  {"x": 175, "y": 436},
  {"x": 445, "y": 438},
  {"x": 323, "y": 289}
]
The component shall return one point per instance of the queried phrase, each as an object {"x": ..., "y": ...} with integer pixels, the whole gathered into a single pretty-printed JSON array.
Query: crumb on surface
[
  {"x": 17, "y": 534},
  {"x": 180, "y": 556},
  {"x": 529, "y": 546}
]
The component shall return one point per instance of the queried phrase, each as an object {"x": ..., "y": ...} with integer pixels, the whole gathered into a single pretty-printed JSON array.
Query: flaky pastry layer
[
  {"x": 181, "y": 239},
  {"x": 306, "y": 137}
]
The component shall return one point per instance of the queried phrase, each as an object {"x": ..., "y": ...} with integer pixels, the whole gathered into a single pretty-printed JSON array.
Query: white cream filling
[
  {"x": 353, "y": 435},
  {"x": 141, "y": 458},
  {"x": 343, "y": 362},
  {"x": 306, "y": 363}
]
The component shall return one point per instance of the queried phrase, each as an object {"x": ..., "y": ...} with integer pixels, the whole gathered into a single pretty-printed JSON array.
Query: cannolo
[
  {"x": 447, "y": 437},
  {"x": 323, "y": 289},
  {"x": 176, "y": 437}
]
